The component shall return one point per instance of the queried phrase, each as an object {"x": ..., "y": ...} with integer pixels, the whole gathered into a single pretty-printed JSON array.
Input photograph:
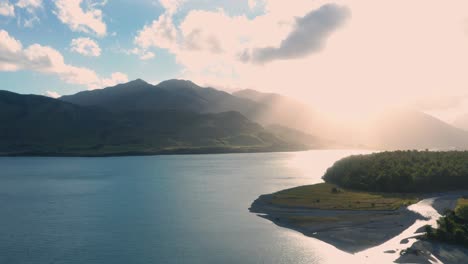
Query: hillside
[
  {"x": 275, "y": 109},
  {"x": 289, "y": 119},
  {"x": 265, "y": 109},
  {"x": 139, "y": 95},
  {"x": 461, "y": 122},
  {"x": 37, "y": 125},
  {"x": 409, "y": 129}
]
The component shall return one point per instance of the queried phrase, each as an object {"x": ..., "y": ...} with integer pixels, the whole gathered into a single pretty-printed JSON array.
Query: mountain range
[
  {"x": 132, "y": 118},
  {"x": 178, "y": 116}
]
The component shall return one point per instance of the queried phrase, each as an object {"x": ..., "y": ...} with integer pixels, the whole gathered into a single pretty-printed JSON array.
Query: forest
[
  {"x": 453, "y": 226},
  {"x": 402, "y": 171}
]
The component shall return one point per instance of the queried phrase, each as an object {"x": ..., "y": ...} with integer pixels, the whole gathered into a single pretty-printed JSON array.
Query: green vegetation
[
  {"x": 402, "y": 171},
  {"x": 453, "y": 226},
  {"x": 37, "y": 125},
  {"x": 330, "y": 196}
]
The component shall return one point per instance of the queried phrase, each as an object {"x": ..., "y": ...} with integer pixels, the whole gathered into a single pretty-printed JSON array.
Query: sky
[{"x": 348, "y": 57}]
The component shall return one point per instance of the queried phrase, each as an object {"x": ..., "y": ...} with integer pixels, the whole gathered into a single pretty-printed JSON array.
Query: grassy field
[
  {"x": 462, "y": 202},
  {"x": 331, "y": 197}
]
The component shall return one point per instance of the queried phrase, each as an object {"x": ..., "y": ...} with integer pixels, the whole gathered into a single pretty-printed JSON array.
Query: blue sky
[
  {"x": 126, "y": 19},
  {"x": 345, "y": 56},
  {"x": 123, "y": 19}
]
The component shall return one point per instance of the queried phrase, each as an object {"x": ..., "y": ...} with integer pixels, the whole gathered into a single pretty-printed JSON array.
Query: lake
[{"x": 155, "y": 209}]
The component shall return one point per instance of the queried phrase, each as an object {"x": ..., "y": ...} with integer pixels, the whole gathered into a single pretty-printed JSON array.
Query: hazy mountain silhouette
[
  {"x": 409, "y": 129},
  {"x": 38, "y": 125},
  {"x": 281, "y": 110},
  {"x": 461, "y": 122},
  {"x": 180, "y": 116},
  {"x": 137, "y": 95},
  {"x": 266, "y": 109}
]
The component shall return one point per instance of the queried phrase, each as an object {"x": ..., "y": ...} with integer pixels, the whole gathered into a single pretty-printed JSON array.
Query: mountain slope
[
  {"x": 461, "y": 122},
  {"x": 289, "y": 119},
  {"x": 266, "y": 109},
  {"x": 275, "y": 109},
  {"x": 37, "y": 125},
  {"x": 407, "y": 129},
  {"x": 31, "y": 121},
  {"x": 168, "y": 95}
]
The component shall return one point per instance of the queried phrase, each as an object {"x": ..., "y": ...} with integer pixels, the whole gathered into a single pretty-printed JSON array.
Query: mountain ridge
[
  {"x": 38, "y": 125},
  {"x": 284, "y": 119}
]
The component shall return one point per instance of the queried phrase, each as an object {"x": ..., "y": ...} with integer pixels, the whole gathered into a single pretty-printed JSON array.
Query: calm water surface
[{"x": 159, "y": 209}]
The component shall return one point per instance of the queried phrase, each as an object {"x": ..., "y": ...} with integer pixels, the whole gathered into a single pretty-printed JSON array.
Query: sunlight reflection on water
[
  {"x": 314, "y": 164},
  {"x": 161, "y": 209}
]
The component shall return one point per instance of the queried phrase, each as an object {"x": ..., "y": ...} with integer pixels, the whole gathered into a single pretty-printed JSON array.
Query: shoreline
[
  {"x": 181, "y": 151},
  {"x": 351, "y": 231},
  {"x": 368, "y": 232}
]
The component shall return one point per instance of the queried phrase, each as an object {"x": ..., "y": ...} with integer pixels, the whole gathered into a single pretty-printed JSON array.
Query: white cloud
[
  {"x": 143, "y": 54},
  {"x": 86, "y": 20},
  {"x": 161, "y": 33},
  {"x": 52, "y": 94},
  {"x": 210, "y": 42},
  {"x": 86, "y": 47},
  {"x": 6, "y": 9},
  {"x": 29, "y": 4},
  {"x": 147, "y": 55},
  {"x": 171, "y": 6},
  {"x": 9, "y": 48},
  {"x": 373, "y": 55},
  {"x": 115, "y": 78},
  {"x": 252, "y": 3},
  {"x": 44, "y": 59}
]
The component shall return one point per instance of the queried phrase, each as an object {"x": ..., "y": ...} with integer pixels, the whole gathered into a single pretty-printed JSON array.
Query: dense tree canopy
[
  {"x": 453, "y": 226},
  {"x": 402, "y": 171}
]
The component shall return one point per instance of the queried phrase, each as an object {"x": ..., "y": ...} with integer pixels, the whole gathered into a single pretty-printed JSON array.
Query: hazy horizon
[{"x": 345, "y": 58}]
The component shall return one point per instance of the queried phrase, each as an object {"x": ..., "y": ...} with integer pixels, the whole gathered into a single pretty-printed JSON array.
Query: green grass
[
  {"x": 322, "y": 196},
  {"x": 461, "y": 202}
]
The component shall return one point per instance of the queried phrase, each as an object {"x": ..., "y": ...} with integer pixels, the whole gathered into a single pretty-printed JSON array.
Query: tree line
[{"x": 402, "y": 171}]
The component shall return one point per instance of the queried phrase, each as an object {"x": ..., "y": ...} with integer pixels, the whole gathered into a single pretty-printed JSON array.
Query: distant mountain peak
[
  {"x": 138, "y": 81},
  {"x": 177, "y": 82}
]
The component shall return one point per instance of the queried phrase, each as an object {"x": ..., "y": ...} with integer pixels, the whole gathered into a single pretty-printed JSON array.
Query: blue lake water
[{"x": 154, "y": 209}]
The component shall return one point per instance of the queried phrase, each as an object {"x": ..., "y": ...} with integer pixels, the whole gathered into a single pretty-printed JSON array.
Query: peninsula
[{"x": 365, "y": 198}]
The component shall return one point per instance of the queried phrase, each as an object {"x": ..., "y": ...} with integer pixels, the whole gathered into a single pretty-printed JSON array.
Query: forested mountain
[
  {"x": 182, "y": 95},
  {"x": 37, "y": 125},
  {"x": 264, "y": 108},
  {"x": 95, "y": 116},
  {"x": 139, "y": 95}
]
